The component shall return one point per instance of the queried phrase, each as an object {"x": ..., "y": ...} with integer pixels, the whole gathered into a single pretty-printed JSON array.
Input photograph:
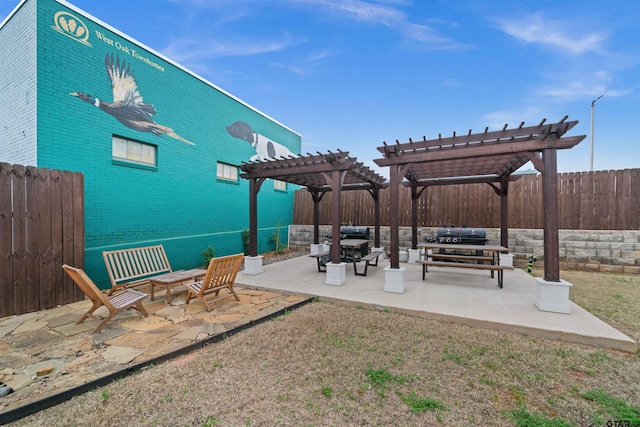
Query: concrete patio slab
[{"x": 456, "y": 295}]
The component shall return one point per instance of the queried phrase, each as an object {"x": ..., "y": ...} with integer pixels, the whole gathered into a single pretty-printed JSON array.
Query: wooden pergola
[
  {"x": 489, "y": 157},
  {"x": 319, "y": 173}
]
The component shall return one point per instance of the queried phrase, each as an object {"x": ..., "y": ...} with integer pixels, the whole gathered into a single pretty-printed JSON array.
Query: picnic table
[
  {"x": 456, "y": 259},
  {"x": 350, "y": 248}
]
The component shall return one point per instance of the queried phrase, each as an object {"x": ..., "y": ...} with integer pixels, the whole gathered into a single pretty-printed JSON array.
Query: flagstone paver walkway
[{"x": 45, "y": 353}]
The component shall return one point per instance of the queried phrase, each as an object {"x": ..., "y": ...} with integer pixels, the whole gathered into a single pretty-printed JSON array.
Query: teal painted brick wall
[{"x": 181, "y": 203}]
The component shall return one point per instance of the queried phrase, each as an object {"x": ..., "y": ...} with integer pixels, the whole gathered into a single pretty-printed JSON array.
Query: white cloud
[
  {"x": 384, "y": 13},
  {"x": 570, "y": 91},
  {"x": 387, "y": 16},
  {"x": 306, "y": 65},
  {"x": 394, "y": 2},
  {"x": 187, "y": 49},
  {"x": 451, "y": 82},
  {"x": 554, "y": 33},
  {"x": 580, "y": 86},
  {"x": 296, "y": 69},
  {"x": 359, "y": 10},
  {"x": 320, "y": 55},
  {"x": 430, "y": 38}
]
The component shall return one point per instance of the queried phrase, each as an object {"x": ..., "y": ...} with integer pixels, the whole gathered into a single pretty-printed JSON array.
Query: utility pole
[{"x": 593, "y": 105}]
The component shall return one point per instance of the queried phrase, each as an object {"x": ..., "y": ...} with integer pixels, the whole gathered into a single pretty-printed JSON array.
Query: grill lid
[
  {"x": 354, "y": 232},
  {"x": 454, "y": 235}
]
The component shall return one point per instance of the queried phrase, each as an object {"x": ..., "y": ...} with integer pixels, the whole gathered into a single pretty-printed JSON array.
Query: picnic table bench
[
  {"x": 323, "y": 258},
  {"x": 369, "y": 260},
  {"x": 462, "y": 257},
  {"x": 491, "y": 267}
]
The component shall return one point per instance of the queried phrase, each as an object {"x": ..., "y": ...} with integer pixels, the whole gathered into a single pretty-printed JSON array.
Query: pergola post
[
  {"x": 253, "y": 262},
  {"x": 414, "y": 252},
  {"x": 316, "y": 196},
  {"x": 336, "y": 209},
  {"x": 336, "y": 269},
  {"x": 552, "y": 293},
  {"x": 394, "y": 274},
  {"x": 394, "y": 244},
  {"x": 254, "y": 189},
  {"x": 504, "y": 211},
  {"x": 375, "y": 193},
  {"x": 414, "y": 216},
  {"x": 550, "y": 216}
]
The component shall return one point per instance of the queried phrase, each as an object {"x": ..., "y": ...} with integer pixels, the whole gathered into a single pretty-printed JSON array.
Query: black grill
[
  {"x": 462, "y": 236},
  {"x": 354, "y": 232}
]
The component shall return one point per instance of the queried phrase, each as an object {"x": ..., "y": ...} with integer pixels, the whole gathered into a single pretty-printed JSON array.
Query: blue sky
[{"x": 350, "y": 74}]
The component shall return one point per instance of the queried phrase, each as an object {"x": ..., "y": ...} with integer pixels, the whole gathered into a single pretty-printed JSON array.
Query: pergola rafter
[{"x": 489, "y": 157}]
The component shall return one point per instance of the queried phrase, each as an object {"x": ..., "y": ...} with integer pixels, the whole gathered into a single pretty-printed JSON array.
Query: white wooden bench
[
  {"x": 135, "y": 266},
  {"x": 369, "y": 260},
  {"x": 491, "y": 267}
]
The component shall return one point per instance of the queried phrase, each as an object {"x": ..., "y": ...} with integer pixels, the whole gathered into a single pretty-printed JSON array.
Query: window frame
[
  {"x": 127, "y": 158},
  {"x": 277, "y": 187},
  {"x": 232, "y": 177}
]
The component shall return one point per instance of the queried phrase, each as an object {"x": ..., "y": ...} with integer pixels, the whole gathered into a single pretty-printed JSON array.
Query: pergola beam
[
  {"x": 461, "y": 180},
  {"x": 479, "y": 150},
  {"x": 540, "y": 131},
  {"x": 297, "y": 169}
]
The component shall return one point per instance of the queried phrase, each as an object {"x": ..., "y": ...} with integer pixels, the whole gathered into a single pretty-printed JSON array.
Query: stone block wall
[{"x": 610, "y": 251}]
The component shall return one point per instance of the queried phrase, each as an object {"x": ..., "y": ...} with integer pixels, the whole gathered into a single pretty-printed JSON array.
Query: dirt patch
[{"x": 271, "y": 257}]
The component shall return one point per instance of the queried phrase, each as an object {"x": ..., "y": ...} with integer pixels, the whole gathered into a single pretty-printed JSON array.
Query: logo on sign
[{"x": 71, "y": 26}]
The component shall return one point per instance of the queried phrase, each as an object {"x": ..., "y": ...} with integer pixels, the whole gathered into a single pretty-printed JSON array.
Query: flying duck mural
[
  {"x": 265, "y": 148},
  {"x": 127, "y": 106}
]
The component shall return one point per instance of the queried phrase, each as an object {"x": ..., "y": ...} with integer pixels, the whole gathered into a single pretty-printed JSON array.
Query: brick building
[{"x": 159, "y": 152}]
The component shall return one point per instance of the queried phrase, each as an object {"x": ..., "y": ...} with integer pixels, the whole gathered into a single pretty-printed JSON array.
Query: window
[
  {"x": 133, "y": 151},
  {"x": 228, "y": 172},
  {"x": 279, "y": 185}
]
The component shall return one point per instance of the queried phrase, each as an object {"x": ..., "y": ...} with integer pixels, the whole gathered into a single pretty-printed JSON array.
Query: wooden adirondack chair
[
  {"x": 221, "y": 274},
  {"x": 115, "y": 304}
]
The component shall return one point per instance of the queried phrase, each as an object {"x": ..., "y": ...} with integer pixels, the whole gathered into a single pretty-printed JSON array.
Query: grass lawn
[{"x": 328, "y": 365}]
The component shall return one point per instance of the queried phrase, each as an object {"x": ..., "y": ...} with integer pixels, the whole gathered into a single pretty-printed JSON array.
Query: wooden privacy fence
[
  {"x": 604, "y": 200},
  {"x": 41, "y": 228}
]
